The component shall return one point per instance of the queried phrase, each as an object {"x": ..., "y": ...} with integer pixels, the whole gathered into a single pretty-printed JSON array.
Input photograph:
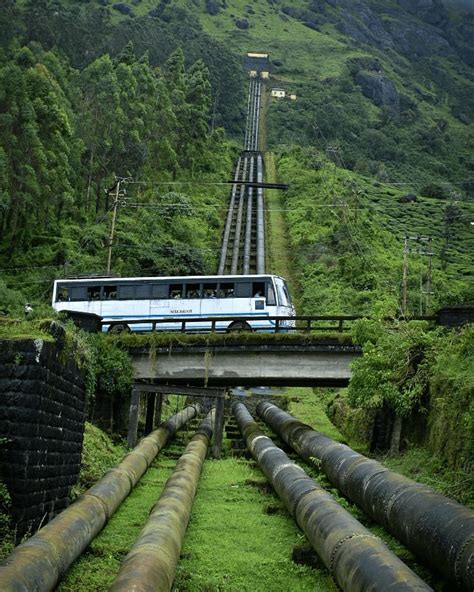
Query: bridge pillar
[
  {"x": 158, "y": 409},
  {"x": 150, "y": 413},
  {"x": 133, "y": 418}
]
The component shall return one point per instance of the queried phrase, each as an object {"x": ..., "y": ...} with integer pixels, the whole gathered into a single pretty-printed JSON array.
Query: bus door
[
  {"x": 213, "y": 301},
  {"x": 159, "y": 301}
]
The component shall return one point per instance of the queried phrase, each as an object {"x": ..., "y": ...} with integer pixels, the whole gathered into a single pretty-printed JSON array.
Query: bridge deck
[{"x": 246, "y": 365}]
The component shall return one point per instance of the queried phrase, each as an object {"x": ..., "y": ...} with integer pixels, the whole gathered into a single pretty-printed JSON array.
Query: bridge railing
[{"x": 222, "y": 324}]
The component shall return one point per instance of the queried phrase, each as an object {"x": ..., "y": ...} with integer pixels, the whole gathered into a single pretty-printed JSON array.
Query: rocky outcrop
[
  {"x": 361, "y": 23},
  {"x": 380, "y": 90},
  {"x": 417, "y": 40},
  {"x": 430, "y": 11}
]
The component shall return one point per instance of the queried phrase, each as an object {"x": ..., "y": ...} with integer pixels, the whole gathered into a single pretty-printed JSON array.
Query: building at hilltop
[
  {"x": 257, "y": 64},
  {"x": 278, "y": 93}
]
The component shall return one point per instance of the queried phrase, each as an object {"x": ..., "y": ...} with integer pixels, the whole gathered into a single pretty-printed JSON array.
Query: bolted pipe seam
[
  {"x": 150, "y": 566},
  {"x": 358, "y": 560},
  {"x": 434, "y": 527},
  {"x": 38, "y": 564}
]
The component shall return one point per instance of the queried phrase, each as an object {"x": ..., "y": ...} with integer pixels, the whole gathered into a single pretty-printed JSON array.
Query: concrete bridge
[{"x": 228, "y": 365}]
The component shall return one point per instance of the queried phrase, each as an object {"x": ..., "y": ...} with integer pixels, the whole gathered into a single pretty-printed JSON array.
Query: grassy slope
[{"x": 304, "y": 52}]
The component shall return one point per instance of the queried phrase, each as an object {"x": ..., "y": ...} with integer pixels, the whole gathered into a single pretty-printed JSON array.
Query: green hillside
[{"x": 384, "y": 109}]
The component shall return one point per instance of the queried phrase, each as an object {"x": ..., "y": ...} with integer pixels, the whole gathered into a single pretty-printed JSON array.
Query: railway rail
[{"x": 243, "y": 243}]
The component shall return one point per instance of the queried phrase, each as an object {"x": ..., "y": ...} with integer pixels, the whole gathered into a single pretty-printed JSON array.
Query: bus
[{"x": 120, "y": 300}]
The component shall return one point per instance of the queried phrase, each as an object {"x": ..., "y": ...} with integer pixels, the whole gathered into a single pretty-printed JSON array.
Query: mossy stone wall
[{"x": 42, "y": 415}]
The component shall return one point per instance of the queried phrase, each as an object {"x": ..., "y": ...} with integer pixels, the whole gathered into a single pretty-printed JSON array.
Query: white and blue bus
[{"x": 123, "y": 300}]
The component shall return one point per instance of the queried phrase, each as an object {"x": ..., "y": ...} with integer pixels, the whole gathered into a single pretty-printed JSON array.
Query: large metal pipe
[
  {"x": 228, "y": 224},
  {"x": 238, "y": 224},
  {"x": 151, "y": 564},
  {"x": 260, "y": 219},
  {"x": 257, "y": 116},
  {"x": 39, "y": 563},
  {"x": 249, "y": 112},
  {"x": 436, "y": 528},
  {"x": 248, "y": 226},
  {"x": 358, "y": 560}
]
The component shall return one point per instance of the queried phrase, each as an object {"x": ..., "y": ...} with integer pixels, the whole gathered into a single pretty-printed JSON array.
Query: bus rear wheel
[
  {"x": 119, "y": 328},
  {"x": 239, "y": 326}
]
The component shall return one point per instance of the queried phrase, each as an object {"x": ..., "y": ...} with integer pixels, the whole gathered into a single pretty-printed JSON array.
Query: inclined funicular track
[{"x": 243, "y": 244}]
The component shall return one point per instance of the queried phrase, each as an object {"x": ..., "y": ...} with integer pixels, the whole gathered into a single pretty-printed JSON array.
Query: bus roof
[{"x": 109, "y": 279}]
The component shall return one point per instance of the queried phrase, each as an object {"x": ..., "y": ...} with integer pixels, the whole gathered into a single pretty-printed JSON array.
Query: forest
[{"x": 79, "y": 111}]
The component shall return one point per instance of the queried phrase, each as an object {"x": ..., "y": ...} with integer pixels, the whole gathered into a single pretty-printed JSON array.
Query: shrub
[
  {"x": 434, "y": 190},
  {"x": 123, "y": 8},
  {"x": 242, "y": 23}
]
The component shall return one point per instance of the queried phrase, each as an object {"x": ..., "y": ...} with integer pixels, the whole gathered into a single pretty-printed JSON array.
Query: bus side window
[
  {"x": 142, "y": 292},
  {"x": 271, "y": 300},
  {"x": 126, "y": 292},
  {"x": 63, "y": 295},
  {"x": 110, "y": 292},
  {"x": 93, "y": 292},
  {"x": 78, "y": 293},
  {"x": 176, "y": 291},
  {"x": 159, "y": 291},
  {"x": 226, "y": 290},
  {"x": 193, "y": 291},
  {"x": 209, "y": 290},
  {"x": 243, "y": 290},
  {"x": 258, "y": 290}
]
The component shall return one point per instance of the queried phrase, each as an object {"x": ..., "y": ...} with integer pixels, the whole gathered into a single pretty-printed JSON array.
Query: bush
[
  {"x": 242, "y": 23},
  {"x": 123, "y": 8},
  {"x": 393, "y": 370},
  {"x": 434, "y": 190},
  {"x": 212, "y": 7}
]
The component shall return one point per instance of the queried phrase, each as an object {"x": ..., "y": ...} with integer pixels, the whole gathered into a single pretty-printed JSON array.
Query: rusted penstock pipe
[
  {"x": 358, "y": 560},
  {"x": 151, "y": 564},
  {"x": 434, "y": 527},
  {"x": 39, "y": 563}
]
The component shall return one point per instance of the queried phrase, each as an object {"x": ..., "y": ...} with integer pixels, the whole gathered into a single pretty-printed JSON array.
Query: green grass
[
  {"x": 421, "y": 465},
  {"x": 99, "y": 454},
  {"x": 279, "y": 260},
  {"x": 17, "y": 330},
  {"x": 232, "y": 544},
  {"x": 308, "y": 407},
  {"x": 132, "y": 340}
]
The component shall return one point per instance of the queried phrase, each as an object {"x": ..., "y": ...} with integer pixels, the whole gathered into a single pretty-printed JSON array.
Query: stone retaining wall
[{"x": 42, "y": 414}]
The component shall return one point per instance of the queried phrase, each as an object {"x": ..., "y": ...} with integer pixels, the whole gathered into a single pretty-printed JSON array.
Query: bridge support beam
[
  {"x": 155, "y": 394},
  {"x": 249, "y": 365}
]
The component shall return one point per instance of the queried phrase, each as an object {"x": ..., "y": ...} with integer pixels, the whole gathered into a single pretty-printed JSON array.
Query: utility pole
[
  {"x": 405, "y": 278},
  {"x": 114, "y": 218},
  {"x": 424, "y": 288}
]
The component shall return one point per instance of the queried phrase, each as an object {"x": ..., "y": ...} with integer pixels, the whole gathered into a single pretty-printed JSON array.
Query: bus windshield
[{"x": 283, "y": 294}]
